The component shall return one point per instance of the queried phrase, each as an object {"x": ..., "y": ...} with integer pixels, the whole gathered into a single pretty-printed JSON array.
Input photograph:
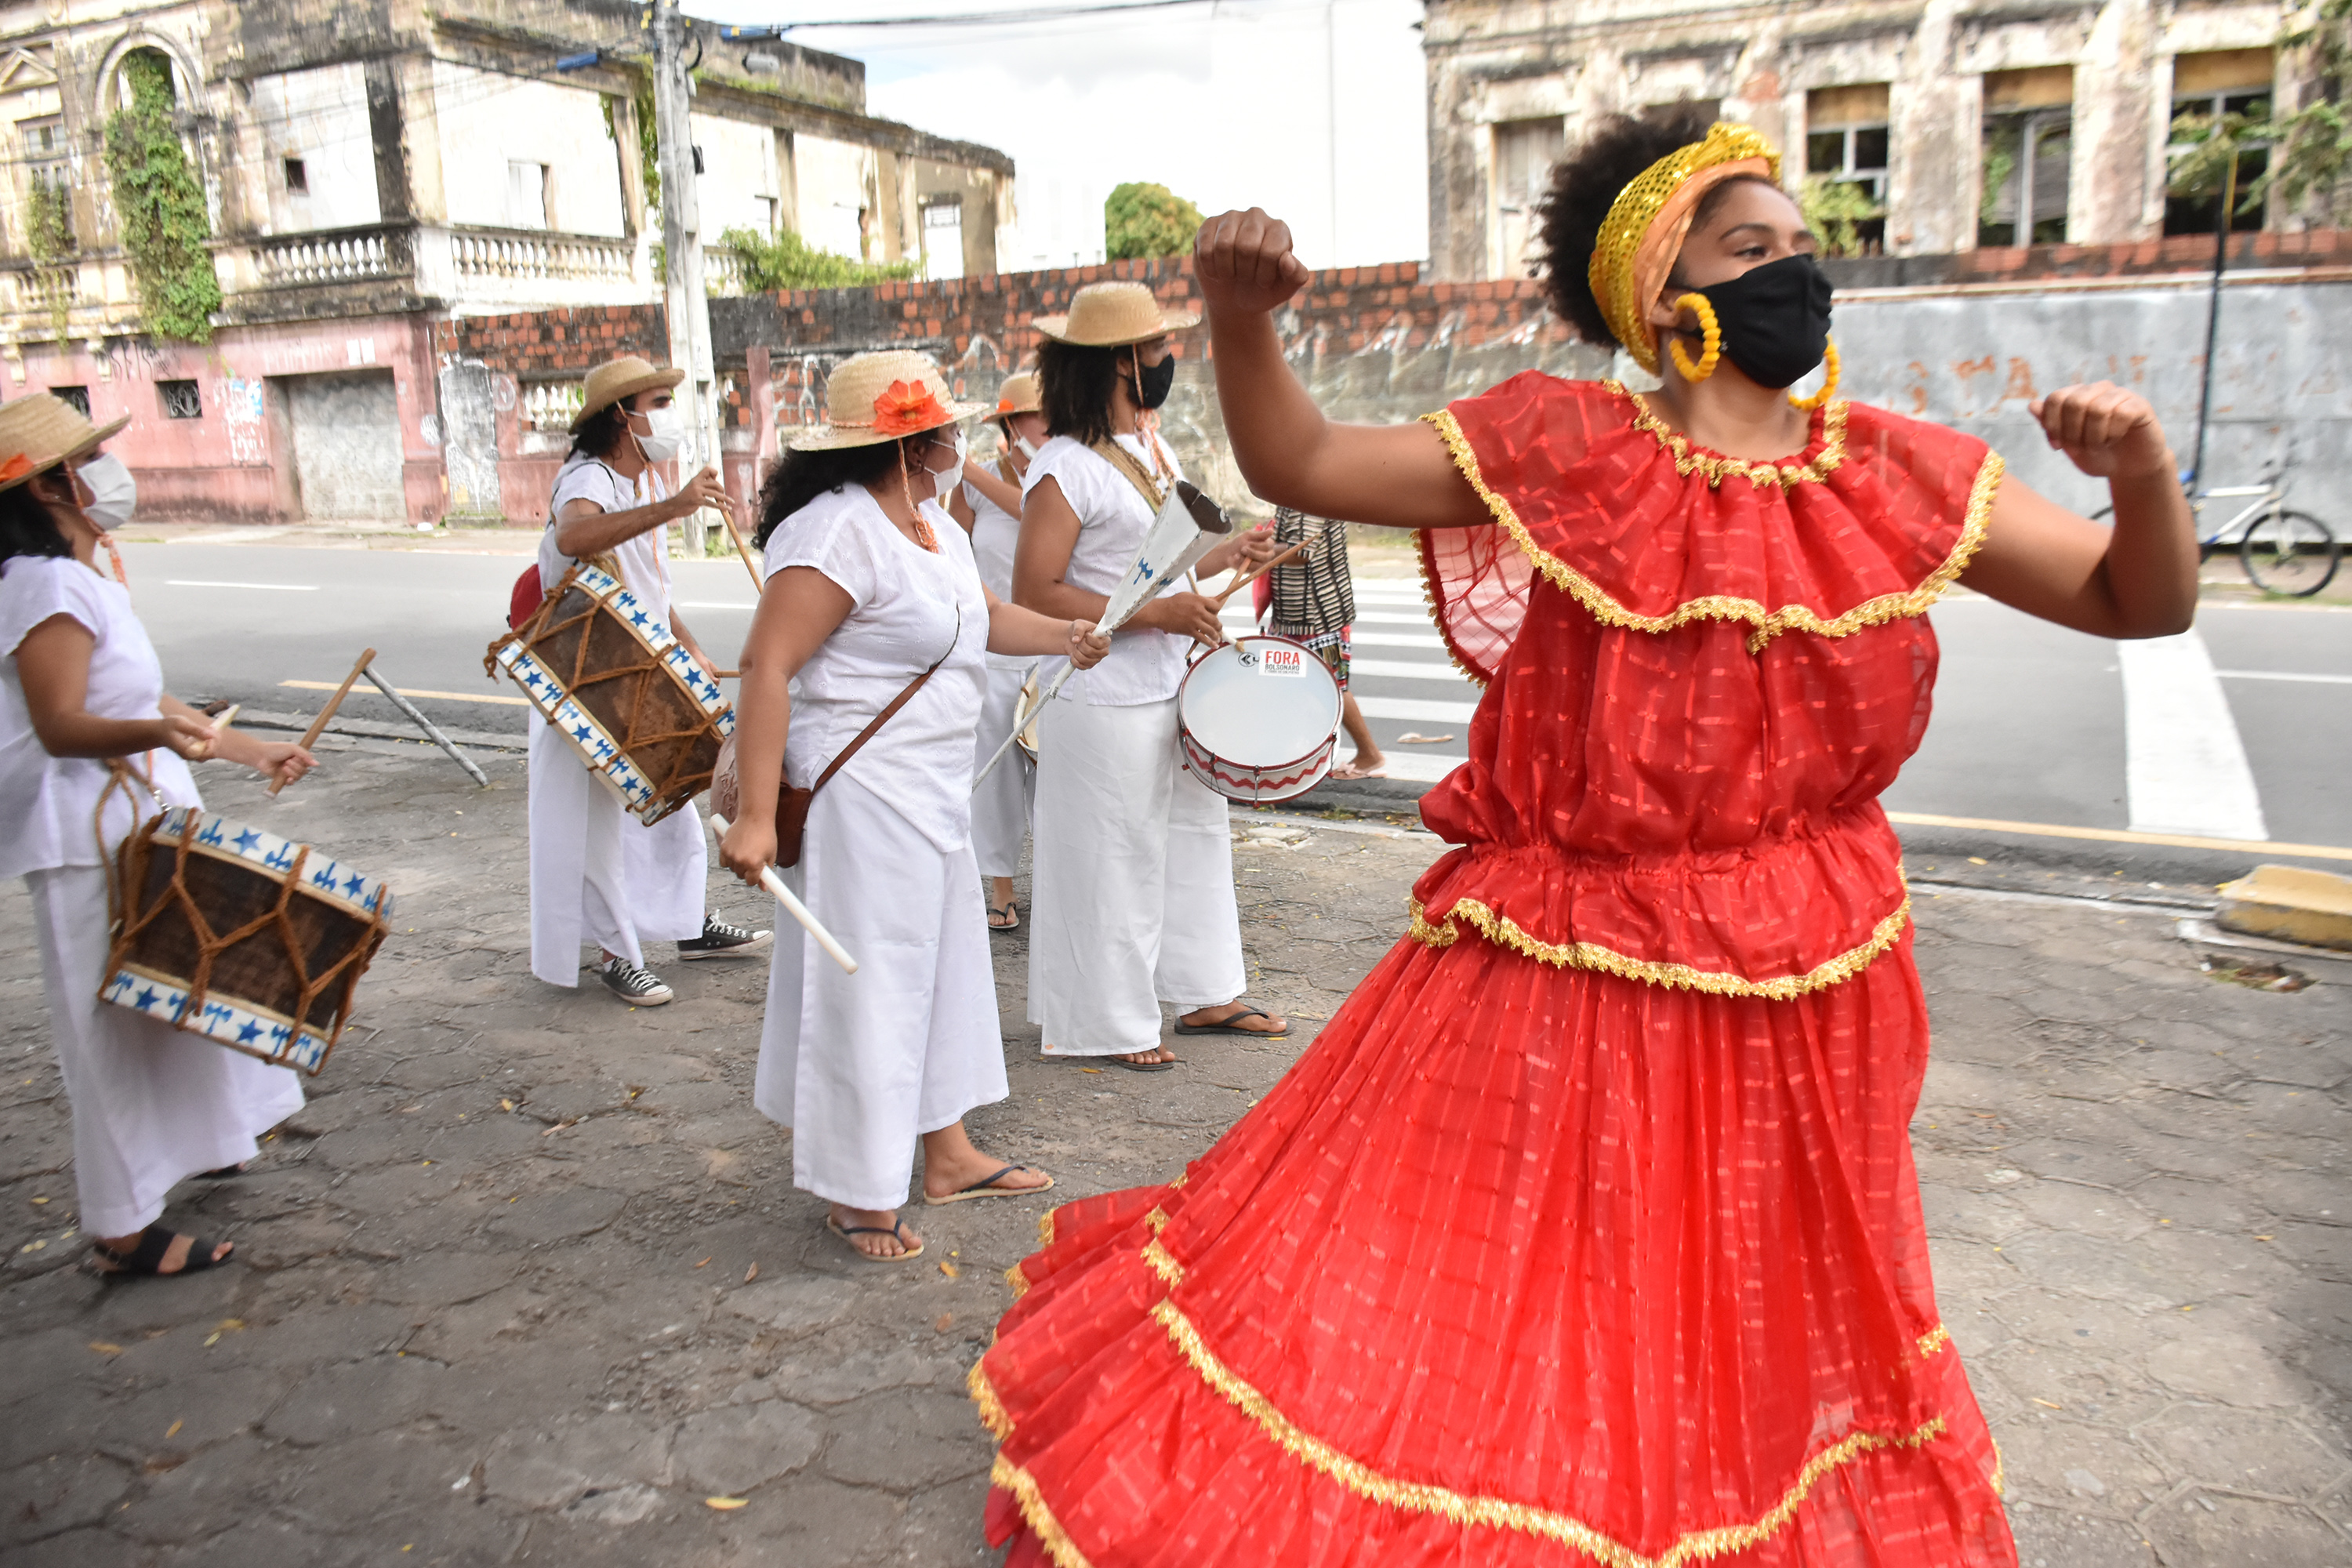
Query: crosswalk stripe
[
  {"x": 2185, "y": 769},
  {"x": 1407, "y": 669},
  {"x": 1415, "y": 708}
]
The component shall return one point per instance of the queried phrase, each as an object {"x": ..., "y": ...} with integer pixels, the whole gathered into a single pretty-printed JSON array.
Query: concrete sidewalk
[{"x": 528, "y": 1280}]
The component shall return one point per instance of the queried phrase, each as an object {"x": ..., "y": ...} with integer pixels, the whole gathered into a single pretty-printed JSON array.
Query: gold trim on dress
[
  {"x": 1778, "y": 474},
  {"x": 1171, "y": 1272},
  {"x": 1157, "y": 1219},
  {"x": 983, "y": 1393},
  {"x": 1470, "y": 1511},
  {"x": 1934, "y": 1339},
  {"x": 1504, "y": 932},
  {"x": 1045, "y": 1228},
  {"x": 1018, "y": 1281},
  {"x": 1025, "y": 1492},
  {"x": 1768, "y": 624}
]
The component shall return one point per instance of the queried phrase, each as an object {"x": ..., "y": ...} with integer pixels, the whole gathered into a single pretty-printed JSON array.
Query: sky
[{"x": 1311, "y": 109}]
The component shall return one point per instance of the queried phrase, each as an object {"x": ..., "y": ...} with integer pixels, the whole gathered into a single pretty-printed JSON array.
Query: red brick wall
[
  {"x": 545, "y": 344},
  {"x": 2174, "y": 254}
]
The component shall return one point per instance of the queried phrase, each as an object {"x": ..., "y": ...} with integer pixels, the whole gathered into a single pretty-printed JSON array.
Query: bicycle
[{"x": 2290, "y": 554}]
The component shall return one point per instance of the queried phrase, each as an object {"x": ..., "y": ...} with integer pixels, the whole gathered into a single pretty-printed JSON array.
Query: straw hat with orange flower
[{"x": 878, "y": 397}]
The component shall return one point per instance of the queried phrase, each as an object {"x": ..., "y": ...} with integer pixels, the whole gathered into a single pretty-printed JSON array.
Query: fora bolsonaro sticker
[{"x": 1273, "y": 660}]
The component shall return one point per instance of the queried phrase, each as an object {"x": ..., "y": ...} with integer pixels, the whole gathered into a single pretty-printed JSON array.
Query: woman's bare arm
[
  {"x": 1049, "y": 533},
  {"x": 1006, "y": 497},
  {"x": 1013, "y": 630},
  {"x": 2138, "y": 579},
  {"x": 1395, "y": 476},
  {"x": 53, "y": 664},
  {"x": 799, "y": 608}
]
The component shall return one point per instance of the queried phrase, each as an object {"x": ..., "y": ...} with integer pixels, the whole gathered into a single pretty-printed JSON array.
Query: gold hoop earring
[
  {"x": 1710, "y": 330},
  {"x": 1829, "y": 383}
]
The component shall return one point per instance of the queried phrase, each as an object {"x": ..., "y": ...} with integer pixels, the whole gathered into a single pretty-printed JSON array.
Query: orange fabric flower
[
  {"x": 906, "y": 406},
  {"x": 15, "y": 468}
]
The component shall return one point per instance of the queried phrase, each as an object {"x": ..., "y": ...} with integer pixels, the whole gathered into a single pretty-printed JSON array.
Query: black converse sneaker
[
  {"x": 635, "y": 986},
  {"x": 719, "y": 939}
]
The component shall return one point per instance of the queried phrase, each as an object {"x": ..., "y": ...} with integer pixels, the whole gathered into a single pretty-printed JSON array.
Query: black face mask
[
  {"x": 1775, "y": 319},
  {"x": 1152, "y": 381}
]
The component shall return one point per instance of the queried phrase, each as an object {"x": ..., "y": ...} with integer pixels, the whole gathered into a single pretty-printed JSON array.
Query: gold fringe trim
[
  {"x": 1778, "y": 476},
  {"x": 1468, "y": 1511},
  {"x": 1040, "y": 1518},
  {"x": 1018, "y": 1281},
  {"x": 1171, "y": 1272},
  {"x": 1046, "y": 1228},
  {"x": 1768, "y": 624},
  {"x": 1420, "y": 558},
  {"x": 1503, "y": 932},
  {"x": 1182, "y": 1177},
  {"x": 983, "y": 1395},
  {"x": 1157, "y": 1219},
  {"x": 1934, "y": 1339}
]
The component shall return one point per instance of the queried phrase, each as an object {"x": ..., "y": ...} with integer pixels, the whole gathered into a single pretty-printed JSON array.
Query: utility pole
[{"x": 689, "y": 304}]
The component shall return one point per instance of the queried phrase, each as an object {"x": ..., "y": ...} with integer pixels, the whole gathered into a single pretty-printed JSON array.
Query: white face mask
[
  {"x": 669, "y": 433},
  {"x": 113, "y": 492},
  {"x": 1028, "y": 447},
  {"x": 945, "y": 480}
]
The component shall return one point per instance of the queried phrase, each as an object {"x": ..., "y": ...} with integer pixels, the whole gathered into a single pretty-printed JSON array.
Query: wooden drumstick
[
  {"x": 226, "y": 716},
  {"x": 794, "y": 907},
  {"x": 318, "y": 725},
  {"x": 1246, "y": 578},
  {"x": 727, "y": 515}
]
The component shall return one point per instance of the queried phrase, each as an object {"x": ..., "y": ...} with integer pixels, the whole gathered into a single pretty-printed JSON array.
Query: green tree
[
  {"x": 2310, "y": 150},
  {"x": 1833, "y": 209},
  {"x": 49, "y": 234},
  {"x": 785, "y": 260},
  {"x": 1145, "y": 220},
  {"x": 159, "y": 207}
]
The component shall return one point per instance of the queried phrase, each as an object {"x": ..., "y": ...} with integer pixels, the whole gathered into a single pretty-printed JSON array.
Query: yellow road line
[
  {"x": 2118, "y": 836},
  {"x": 410, "y": 691}
]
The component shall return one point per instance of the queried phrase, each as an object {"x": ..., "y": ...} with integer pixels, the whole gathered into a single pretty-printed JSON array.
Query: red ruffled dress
[{"x": 1589, "y": 1229}]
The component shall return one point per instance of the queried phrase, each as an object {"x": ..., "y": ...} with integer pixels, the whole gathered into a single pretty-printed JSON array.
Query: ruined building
[
  {"x": 1954, "y": 123},
  {"x": 319, "y": 184}
]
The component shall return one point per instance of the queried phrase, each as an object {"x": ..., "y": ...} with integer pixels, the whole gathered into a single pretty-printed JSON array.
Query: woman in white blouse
[
  {"x": 1132, "y": 863},
  {"x": 1000, "y": 805},
  {"x": 869, "y": 585},
  {"x": 88, "y": 745}
]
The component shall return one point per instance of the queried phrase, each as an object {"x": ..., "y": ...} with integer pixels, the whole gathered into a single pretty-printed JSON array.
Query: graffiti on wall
[
  {"x": 240, "y": 403},
  {"x": 470, "y": 392}
]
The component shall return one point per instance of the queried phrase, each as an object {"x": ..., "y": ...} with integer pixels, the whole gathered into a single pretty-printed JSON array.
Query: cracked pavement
[{"x": 528, "y": 1281}]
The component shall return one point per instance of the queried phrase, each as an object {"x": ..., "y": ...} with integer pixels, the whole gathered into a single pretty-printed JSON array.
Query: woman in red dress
[{"x": 1588, "y": 1231}]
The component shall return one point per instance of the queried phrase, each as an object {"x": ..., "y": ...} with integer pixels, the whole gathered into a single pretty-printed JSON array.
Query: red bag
[{"x": 528, "y": 594}]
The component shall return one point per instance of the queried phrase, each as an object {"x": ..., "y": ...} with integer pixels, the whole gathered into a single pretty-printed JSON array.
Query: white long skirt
[
  {"x": 859, "y": 1065},
  {"x": 597, "y": 874},
  {"x": 1000, "y": 806},
  {"x": 1132, "y": 879},
  {"x": 151, "y": 1105}
]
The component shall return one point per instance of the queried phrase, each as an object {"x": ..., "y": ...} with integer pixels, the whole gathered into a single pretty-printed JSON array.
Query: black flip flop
[
  {"x": 146, "y": 1259},
  {"x": 1169, "y": 1065},
  {"x": 1009, "y": 906},
  {"x": 1226, "y": 1025},
  {"x": 914, "y": 1248}
]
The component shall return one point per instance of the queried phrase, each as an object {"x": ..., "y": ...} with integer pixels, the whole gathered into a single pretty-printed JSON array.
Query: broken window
[
  {"x": 298, "y": 179},
  {"x": 2028, "y": 156},
  {"x": 180, "y": 400},
  {"x": 1846, "y": 143},
  {"x": 2206, "y": 87},
  {"x": 74, "y": 397},
  {"x": 1524, "y": 151},
  {"x": 43, "y": 143},
  {"x": 526, "y": 194}
]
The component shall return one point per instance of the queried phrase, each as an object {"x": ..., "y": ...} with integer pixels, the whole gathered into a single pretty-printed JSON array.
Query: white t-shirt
[
  {"x": 48, "y": 803},
  {"x": 908, "y": 607},
  {"x": 994, "y": 533},
  {"x": 1143, "y": 666},
  {"x": 644, "y": 560}
]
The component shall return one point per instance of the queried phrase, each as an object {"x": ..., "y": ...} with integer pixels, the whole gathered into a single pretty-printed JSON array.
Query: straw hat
[
  {"x": 1022, "y": 393},
  {"x": 877, "y": 397},
  {"x": 1112, "y": 315},
  {"x": 616, "y": 379},
  {"x": 39, "y": 431}
]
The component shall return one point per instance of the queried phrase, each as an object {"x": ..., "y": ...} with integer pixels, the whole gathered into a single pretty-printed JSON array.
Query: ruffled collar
[{"x": 1824, "y": 448}]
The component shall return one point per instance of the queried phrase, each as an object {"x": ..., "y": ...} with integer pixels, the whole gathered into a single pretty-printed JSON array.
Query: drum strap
[
  {"x": 1120, "y": 458},
  {"x": 120, "y": 775}
]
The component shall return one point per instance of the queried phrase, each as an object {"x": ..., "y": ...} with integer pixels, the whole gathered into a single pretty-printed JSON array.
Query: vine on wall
[
  {"x": 161, "y": 207},
  {"x": 648, "y": 140},
  {"x": 49, "y": 235}
]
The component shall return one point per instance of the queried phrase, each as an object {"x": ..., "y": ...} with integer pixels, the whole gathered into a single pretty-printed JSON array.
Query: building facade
[
  {"x": 1955, "y": 124},
  {"x": 369, "y": 168}
]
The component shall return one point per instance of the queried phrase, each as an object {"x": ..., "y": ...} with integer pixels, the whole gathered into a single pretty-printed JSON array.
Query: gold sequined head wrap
[{"x": 1647, "y": 225}]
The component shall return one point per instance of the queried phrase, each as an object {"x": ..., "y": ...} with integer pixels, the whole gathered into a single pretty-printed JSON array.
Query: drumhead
[{"x": 1260, "y": 701}]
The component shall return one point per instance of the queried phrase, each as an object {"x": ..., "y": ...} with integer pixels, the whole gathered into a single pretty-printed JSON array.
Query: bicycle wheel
[{"x": 2290, "y": 553}]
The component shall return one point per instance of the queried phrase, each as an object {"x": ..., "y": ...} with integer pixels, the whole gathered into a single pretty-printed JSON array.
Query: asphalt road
[{"x": 2251, "y": 724}]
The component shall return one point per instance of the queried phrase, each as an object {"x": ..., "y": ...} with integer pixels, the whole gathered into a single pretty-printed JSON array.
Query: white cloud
[{"x": 1238, "y": 103}]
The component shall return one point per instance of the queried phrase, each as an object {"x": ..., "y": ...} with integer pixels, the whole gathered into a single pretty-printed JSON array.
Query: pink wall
[{"x": 234, "y": 463}]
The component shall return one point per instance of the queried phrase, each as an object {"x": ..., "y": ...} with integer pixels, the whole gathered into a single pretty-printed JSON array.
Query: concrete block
[{"x": 2290, "y": 903}]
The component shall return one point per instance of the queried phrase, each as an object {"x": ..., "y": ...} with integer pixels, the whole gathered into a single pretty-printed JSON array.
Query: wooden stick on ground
[
  {"x": 318, "y": 725},
  {"x": 1246, "y": 578}
]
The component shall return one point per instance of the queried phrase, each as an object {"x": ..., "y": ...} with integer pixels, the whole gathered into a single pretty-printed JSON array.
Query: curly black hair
[
  {"x": 1584, "y": 185},
  {"x": 803, "y": 476},
  {"x": 602, "y": 431}
]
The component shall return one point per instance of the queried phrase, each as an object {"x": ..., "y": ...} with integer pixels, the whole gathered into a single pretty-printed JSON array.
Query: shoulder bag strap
[
  {"x": 1120, "y": 458},
  {"x": 884, "y": 717}
]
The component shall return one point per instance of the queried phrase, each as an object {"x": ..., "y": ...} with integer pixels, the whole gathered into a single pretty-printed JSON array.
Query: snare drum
[
  {"x": 1258, "y": 718},
  {"x": 243, "y": 937},
  {"x": 613, "y": 680}
]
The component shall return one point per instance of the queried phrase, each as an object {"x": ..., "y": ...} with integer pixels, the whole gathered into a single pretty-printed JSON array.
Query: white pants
[
  {"x": 597, "y": 874},
  {"x": 1000, "y": 806},
  {"x": 151, "y": 1105},
  {"x": 1133, "y": 882},
  {"x": 859, "y": 1065}
]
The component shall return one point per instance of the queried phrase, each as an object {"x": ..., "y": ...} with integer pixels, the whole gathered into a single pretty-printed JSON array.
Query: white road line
[
  {"x": 1417, "y": 766},
  {"x": 1415, "y": 708},
  {"x": 2283, "y": 674},
  {"x": 1400, "y": 639},
  {"x": 1407, "y": 669},
  {"x": 273, "y": 587},
  {"x": 1392, "y": 618},
  {"x": 2185, "y": 769}
]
